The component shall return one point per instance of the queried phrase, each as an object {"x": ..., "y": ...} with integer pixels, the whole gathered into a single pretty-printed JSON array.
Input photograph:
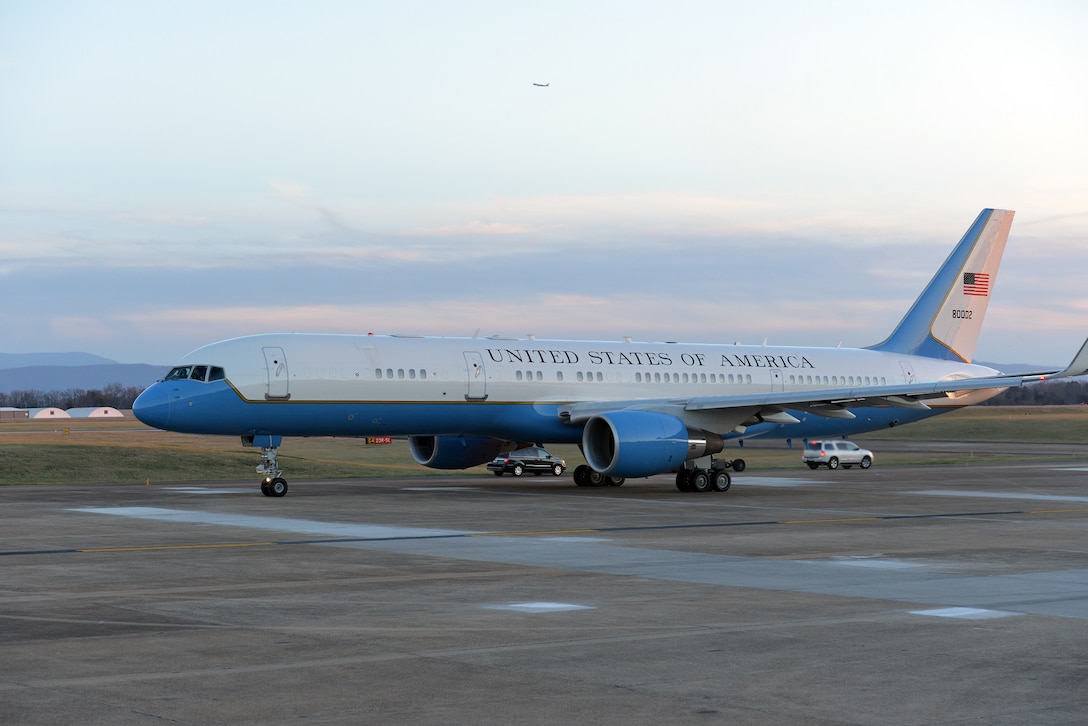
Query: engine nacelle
[
  {"x": 642, "y": 443},
  {"x": 453, "y": 452}
]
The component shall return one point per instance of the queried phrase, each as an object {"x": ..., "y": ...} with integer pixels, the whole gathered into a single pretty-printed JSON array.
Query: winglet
[
  {"x": 946, "y": 319},
  {"x": 1078, "y": 367}
]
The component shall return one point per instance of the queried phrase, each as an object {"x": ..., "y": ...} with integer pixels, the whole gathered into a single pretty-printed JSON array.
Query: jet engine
[
  {"x": 642, "y": 443},
  {"x": 453, "y": 452}
]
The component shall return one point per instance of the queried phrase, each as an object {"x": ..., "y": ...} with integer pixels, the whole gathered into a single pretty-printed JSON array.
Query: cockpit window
[
  {"x": 196, "y": 373},
  {"x": 179, "y": 373}
]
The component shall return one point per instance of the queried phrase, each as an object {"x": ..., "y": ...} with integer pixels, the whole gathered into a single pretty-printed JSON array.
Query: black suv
[{"x": 531, "y": 458}]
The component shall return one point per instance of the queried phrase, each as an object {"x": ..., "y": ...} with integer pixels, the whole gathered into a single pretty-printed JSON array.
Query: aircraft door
[
  {"x": 777, "y": 384},
  {"x": 278, "y": 376},
  {"x": 477, "y": 378},
  {"x": 908, "y": 371}
]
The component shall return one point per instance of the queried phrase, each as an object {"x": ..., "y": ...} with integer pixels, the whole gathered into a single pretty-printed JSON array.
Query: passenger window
[
  {"x": 517, "y": 375},
  {"x": 423, "y": 374},
  {"x": 377, "y": 372}
]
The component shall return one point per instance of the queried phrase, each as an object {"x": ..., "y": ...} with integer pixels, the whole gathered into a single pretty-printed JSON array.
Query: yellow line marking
[
  {"x": 180, "y": 547},
  {"x": 523, "y": 534},
  {"x": 821, "y": 521}
]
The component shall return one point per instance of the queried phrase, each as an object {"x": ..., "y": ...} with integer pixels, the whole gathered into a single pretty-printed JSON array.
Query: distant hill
[
  {"x": 86, "y": 377},
  {"x": 26, "y": 360}
]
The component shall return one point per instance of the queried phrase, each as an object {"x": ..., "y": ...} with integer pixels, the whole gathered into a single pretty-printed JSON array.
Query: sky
[{"x": 172, "y": 174}]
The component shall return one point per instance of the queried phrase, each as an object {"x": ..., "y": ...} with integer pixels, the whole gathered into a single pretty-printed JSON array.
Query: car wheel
[
  {"x": 498, "y": 473},
  {"x": 833, "y": 462},
  {"x": 518, "y": 470},
  {"x": 812, "y": 465},
  {"x": 557, "y": 470},
  {"x": 866, "y": 462}
]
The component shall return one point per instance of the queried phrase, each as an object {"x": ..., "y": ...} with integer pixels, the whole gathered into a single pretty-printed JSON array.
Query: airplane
[{"x": 636, "y": 409}]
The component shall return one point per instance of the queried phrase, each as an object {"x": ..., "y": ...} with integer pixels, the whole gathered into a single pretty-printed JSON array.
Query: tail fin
[{"x": 945, "y": 320}]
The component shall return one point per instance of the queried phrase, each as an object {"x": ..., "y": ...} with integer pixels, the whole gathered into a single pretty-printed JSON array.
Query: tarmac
[{"x": 897, "y": 595}]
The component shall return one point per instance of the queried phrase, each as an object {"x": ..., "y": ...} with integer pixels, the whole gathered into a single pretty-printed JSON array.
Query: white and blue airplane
[{"x": 636, "y": 409}]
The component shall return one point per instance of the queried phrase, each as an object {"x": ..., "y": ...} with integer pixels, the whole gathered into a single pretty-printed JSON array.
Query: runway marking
[
  {"x": 965, "y": 613},
  {"x": 826, "y": 521},
  {"x": 206, "y": 490},
  {"x": 540, "y": 607},
  {"x": 528, "y": 534},
  {"x": 152, "y": 548},
  {"x": 1057, "y": 593},
  {"x": 998, "y": 495}
]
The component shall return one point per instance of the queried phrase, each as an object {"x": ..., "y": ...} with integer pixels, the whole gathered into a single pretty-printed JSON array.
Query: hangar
[
  {"x": 48, "y": 412},
  {"x": 95, "y": 412}
]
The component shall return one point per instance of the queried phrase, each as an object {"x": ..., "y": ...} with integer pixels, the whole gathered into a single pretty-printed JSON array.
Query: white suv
[{"x": 834, "y": 454}]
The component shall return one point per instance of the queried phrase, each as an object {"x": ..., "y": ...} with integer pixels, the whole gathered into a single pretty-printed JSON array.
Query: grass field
[{"x": 81, "y": 451}]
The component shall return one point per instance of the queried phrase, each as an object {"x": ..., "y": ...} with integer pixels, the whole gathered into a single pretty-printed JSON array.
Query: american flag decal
[{"x": 976, "y": 283}]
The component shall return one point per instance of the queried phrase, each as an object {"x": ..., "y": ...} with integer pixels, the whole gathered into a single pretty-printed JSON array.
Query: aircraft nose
[{"x": 152, "y": 407}]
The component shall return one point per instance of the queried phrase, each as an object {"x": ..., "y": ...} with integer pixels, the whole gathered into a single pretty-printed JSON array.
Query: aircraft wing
[{"x": 828, "y": 402}]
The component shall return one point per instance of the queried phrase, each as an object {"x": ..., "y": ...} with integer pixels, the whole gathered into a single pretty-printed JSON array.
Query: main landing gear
[
  {"x": 705, "y": 476},
  {"x": 586, "y": 477}
]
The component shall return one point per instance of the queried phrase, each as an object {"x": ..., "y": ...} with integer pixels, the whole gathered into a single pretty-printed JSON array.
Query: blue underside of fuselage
[{"x": 216, "y": 408}]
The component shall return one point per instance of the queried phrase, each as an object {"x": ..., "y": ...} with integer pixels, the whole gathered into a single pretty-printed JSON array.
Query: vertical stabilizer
[{"x": 946, "y": 319}]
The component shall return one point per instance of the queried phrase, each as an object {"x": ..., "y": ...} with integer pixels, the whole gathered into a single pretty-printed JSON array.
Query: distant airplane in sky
[
  {"x": 542, "y": 85},
  {"x": 635, "y": 409}
]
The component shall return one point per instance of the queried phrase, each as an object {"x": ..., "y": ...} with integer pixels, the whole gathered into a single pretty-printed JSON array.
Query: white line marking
[{"x": 965, "y": 613}]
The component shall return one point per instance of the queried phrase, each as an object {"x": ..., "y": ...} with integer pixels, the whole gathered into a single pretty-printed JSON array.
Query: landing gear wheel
[
  {"x": 738, "y": 465},
  {"x": 721, "y": 481},
  {"x": 683, "y": 481},
  {"x": 264, "y": 489},
  {"x": 581, "y": 475},
  {"x": 700, "y": 481},
  {"x": 595, "y": 478},
  {"x": 277, "y": 487},
  {"x": 614, "y": 481}
]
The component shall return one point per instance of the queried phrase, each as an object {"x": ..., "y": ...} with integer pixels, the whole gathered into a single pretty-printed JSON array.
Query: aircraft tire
[
  {"x": 595, "y": 478},
  {"x": 264, "y": 489},
  {"x": 700, "y": 482},
  {"x": 683, "y": 481},
  {"x": 277, "y": 487},
  {"x": 614, "y": 481},
  {"x": 739, "y": 465},
  {"x": 581, "y": 475},
  {"x": 721, "y": 481}
]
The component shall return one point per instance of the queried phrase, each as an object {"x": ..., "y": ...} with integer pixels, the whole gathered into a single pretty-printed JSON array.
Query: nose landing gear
[{"x": 273, "y": 484}]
